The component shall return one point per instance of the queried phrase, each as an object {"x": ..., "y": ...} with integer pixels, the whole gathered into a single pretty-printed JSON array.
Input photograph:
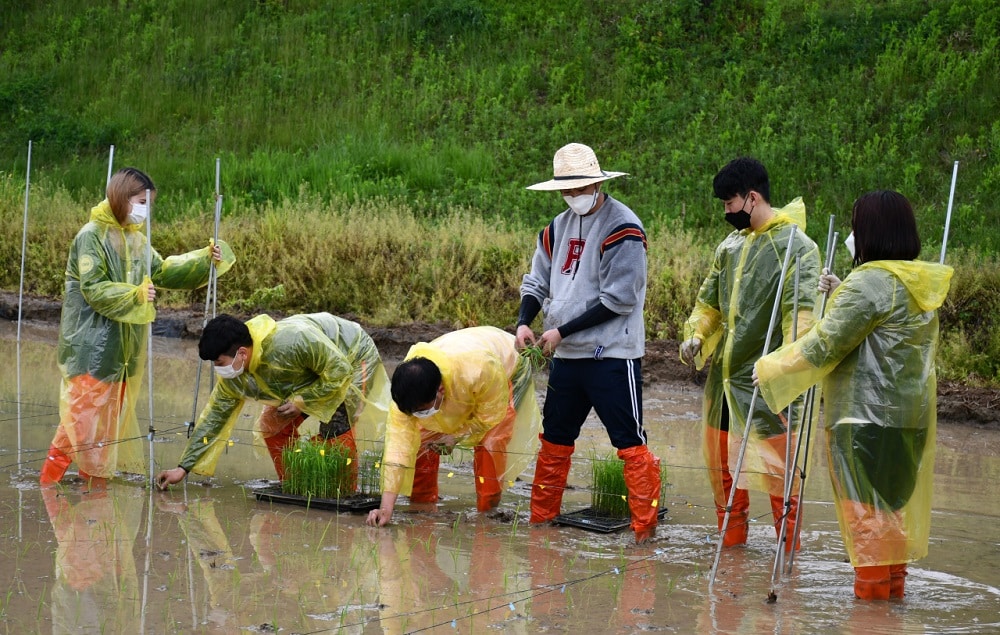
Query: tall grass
[
  {"x": 445, "y": 103},
  {"x": 382, "y": 263}
]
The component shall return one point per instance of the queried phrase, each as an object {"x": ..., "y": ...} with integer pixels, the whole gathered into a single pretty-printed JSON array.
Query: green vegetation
[
  {"x": 608, "y": 492},
  {"x": 324, "y": 470},
  {"x": 374, "y": 155}
]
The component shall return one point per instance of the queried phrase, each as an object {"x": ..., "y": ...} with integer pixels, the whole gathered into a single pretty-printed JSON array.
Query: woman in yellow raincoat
[
  {"x": 107, "y": 306},
  {"x": 874, "y": 351},
  {"x": 468, "y": 388}
]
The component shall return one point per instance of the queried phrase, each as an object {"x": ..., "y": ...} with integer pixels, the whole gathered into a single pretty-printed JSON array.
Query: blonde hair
[{"x": 125, "y": 184}]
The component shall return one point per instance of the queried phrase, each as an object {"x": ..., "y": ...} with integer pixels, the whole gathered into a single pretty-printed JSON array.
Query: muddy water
[{"x": 209, "y": 557}]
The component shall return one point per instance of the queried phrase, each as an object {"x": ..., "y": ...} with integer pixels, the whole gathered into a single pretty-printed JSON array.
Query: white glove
[
  {"x": 690, "y": 349},
  {"x": 828, "y": 282}
]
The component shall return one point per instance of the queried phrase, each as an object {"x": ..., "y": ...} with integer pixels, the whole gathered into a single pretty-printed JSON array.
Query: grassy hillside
[
  {"x": 464, "y": 101},
  {"x": 439, "y": 112}
]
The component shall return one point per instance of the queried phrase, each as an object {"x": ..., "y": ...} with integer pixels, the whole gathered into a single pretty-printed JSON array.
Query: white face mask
[
  {"x": 433, "y": 410},
  {"x": 138, "y": 214},
  {"x": 229, "y": 372},
  {"x": 581, "y": 204},
  {"x": 423, "y": 414},
  {"x": 849, "y": 243}
]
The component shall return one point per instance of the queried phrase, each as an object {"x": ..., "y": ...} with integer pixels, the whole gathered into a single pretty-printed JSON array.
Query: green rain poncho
[
  {"x": 731, "y": 318},
  {"x": 874, "y": 351},
  {"x": 484, "y": 380},
  {"x": 315, "y": 361},
  {"x": 102, "y": 336}
]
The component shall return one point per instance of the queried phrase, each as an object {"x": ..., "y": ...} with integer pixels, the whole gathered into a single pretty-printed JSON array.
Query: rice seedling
[
  {"x": 319, "y": 470},
  {"x": 608, "y": 492},
  {"x": 536, "y": 358}
]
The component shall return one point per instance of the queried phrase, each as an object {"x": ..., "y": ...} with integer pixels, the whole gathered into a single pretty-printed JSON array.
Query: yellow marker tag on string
[
  {"x": 450, "y": 474},
  {"x": 656, "y": 502},
  {"x": 322, "y": 452},
  {"x": 482, "y": 480},
  {"x": 298, "y": 449},
  {"x": 231, "y": 443},
  {"x": 377, "y": 465},
  {"x": 510, "y": 483},
  {"x": 623, "y": 497},
  {"x": 348, "y": 461},
  {"x": 204, "y": 440}
]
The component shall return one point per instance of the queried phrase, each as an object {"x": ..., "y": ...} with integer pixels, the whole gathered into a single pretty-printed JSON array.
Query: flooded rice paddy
[{"x": 208, "y": 557}]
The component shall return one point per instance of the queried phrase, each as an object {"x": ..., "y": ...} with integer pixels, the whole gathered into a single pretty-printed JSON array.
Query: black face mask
[{"x": 741, "y": 219}]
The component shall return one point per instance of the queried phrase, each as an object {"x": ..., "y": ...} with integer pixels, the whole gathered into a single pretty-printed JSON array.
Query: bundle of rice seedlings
[{"x": 318, "y": 469}]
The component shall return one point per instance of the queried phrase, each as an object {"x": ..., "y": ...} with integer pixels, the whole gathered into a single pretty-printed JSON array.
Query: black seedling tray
[
  {"x": 587, "y": 518},
  {"x": 356, "y": 503}
]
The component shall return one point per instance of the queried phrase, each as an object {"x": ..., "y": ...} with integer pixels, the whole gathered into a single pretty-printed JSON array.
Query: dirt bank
[{"x": 957, "y": 403}]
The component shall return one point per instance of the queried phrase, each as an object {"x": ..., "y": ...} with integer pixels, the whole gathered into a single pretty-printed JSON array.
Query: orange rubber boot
[
  {"x": 778, "y": 510},
  {"x": 872, "y": 583},
  {"x": 739, "y": 517},
  {"x": 551, "y": 472},
  {"x": 487, "y": 482},
  {"x": 276, "y": 445},
  {"x": 54, "y": 467},
  {"x": 642, "y": 478},
  {"x": 425, "y": 477},
  {"x": 897, "y": 580}
]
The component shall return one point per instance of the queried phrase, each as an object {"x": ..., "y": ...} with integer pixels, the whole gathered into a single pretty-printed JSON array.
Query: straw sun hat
[{"x": 575, "y": 165}]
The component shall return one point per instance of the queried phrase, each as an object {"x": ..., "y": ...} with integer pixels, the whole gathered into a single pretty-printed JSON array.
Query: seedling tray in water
[
  {"x": 356, "y": 503},
  {"x": 589, "y": 519}
]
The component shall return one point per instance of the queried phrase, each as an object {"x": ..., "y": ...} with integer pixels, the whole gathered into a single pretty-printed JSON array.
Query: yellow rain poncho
[
  {"x": 731, "y": 318},
  {"x": 102, "y": 337},
  {"x": 316, "y": 361},
  {"x": 874, "y": 351},
  {"x": 485, "y": 382}
]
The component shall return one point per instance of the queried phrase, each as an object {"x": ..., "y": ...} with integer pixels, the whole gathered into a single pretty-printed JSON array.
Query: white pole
[
  {"x": 810, "y": 403},
  {"x": 789, "y": 475},
  {"x": 20, "y": 300},
  {"x": 111, "y": 162},
  {"x": 753, "y": 403},
  {"x": 947, "y": 220},
  {"x": 149, "y": 338}
]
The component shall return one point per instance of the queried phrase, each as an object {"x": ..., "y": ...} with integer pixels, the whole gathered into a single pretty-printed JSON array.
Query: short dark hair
[
  {"x": 884, "y": 228},
  {"x": 739, "y": 176},
  {"x": 223, "y": 335},
  {"x": 414, "y": 383}
]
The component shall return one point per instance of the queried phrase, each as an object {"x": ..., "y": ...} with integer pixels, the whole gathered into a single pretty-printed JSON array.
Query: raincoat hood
[
  {"x": 102, "y": 214},
  {"x": 794, "y": 213},
  {"x": 927, "y": 282},
  {"x": 260, "y": 327}
]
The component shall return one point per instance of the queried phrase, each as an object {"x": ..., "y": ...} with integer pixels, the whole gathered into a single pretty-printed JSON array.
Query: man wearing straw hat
[
  {"x": 589, "y": 275},
  {"x": 730, "y": 322}
]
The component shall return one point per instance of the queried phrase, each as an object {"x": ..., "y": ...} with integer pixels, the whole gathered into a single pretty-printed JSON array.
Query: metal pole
[
  {"x": 753, "y": 403},
  {"x": 810, "y": 404},
  {"x": 789, "y": 475},
  {"x": 947, "y": 220},
  {"x": 111, "y": 162},
  {"x": 149, "y": 338},
  {"x": 20, "y": 300}
]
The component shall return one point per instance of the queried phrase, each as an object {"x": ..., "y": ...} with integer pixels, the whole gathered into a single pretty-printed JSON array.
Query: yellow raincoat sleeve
[
  {"x": 190, "y": 270},
  {"x": 792, "y": 369},
  {"x": 213, "y": 429},
  {"x": 705, "y": 322}
]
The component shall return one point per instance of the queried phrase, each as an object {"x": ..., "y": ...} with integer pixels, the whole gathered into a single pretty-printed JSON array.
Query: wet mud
[{"x": 209, "y": 557}]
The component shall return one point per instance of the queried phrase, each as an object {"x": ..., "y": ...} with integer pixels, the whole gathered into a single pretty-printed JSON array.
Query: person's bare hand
[
  {"x": 378, "y": 518},
  {"x": 216, "y": 253},
  {"x": 166, "y": 478},
  {"x": 150, "y": 293},
  {"x": 550, "y": 341},
  {"x": 288, "y": 410},
  {"x": 523, "y": 337}
]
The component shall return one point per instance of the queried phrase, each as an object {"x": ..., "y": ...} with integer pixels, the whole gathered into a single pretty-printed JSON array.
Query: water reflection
[
  {"x": 95, "y": 587},
  {"x": 222, "y": 562}
]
